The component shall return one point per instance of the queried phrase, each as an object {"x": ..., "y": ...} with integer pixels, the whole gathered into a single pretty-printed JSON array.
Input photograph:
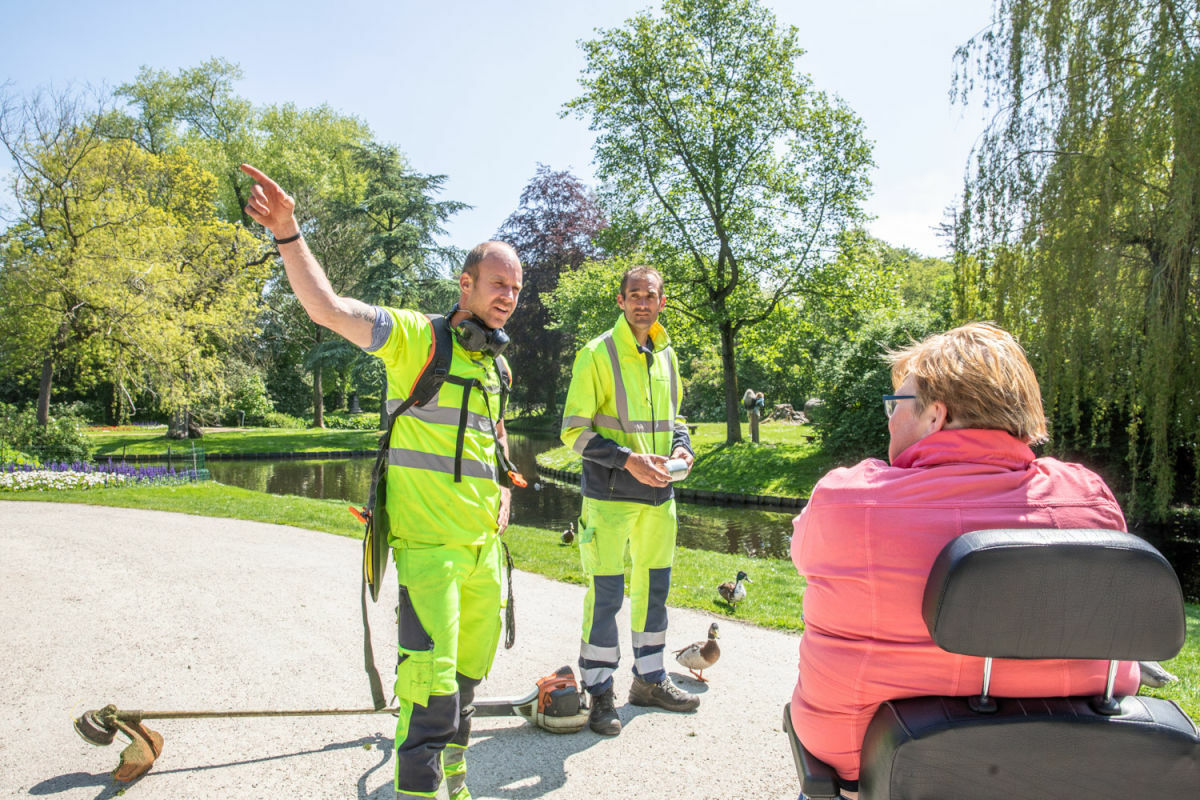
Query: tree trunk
[
  {"x": 551, "y": 396},
  {"x": 318, "y": 385},
  {"x": 733, "y": 425},
  {"x": 44, "y": 386},
  {"x": 318, "y": 400},
  {"x": 177, "y": 427}
]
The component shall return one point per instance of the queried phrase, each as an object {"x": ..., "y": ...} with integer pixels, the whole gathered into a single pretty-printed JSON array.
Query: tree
[
  {"x": 735, "y": 173},
  {"x": 553, "y": 231},
  {"x": 117, "y": 262},
  {"x": 1081, "y": 222},
  {"x": 401, "y": 262},
  {"x": 197, "y": 106}
]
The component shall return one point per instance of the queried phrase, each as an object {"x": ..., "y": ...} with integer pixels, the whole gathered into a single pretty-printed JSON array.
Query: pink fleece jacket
[{"x": 865, "y": 543}]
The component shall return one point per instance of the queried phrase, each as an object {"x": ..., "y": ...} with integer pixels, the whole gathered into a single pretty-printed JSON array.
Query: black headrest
[{"x": 1048, "y": 593}]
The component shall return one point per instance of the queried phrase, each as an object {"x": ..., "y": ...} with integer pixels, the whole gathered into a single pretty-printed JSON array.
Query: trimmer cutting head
[
  {"x": 100, "y": 727},
  {"x": 93, "y": 730}
]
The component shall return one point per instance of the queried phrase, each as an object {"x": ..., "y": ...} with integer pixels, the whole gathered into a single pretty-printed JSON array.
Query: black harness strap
[{"x": 510, "y": 613}]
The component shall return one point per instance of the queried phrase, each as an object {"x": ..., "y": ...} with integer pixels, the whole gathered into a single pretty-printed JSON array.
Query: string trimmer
[{"x": 552, "y": 706}]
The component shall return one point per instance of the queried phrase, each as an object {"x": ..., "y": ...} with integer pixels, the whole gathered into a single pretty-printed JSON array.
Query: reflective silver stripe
[
  {"x": 595, "y": 676},
  {"x": 649, "y": 638},
  {"x": 674, "y": 389},
  {"x": 605, "y": 421},
  {"x": 415, "y": 459},
  {"x": 619, "y": 394},
  {"x": 594, "y": 652},
  {"x": 454, "y": 768},
  {"x": 583, "y": 440},
  {"x": 634, "y": 425},
  {"x": 436, "y": 414},
  {"x": 651, "y": 663},
  {"x": 577, "y": 422},
  {"x": 448, "y": 415}
]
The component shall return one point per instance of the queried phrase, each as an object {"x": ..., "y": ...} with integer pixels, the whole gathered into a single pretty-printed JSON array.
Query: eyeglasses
[{"x": 890, "y": 401}]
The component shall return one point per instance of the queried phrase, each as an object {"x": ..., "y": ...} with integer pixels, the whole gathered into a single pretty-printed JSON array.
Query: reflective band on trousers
[
  {"x": 648, "y": 664},
  {"x": 649, "y": 638},
  {"x": 621, "y": 398},
  {"x": 594, "y": 652},
  {"x": 454, "y": 768},
  {"x": 415, "y": 459}
]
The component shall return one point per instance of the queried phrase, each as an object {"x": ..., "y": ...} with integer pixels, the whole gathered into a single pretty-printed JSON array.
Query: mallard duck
[
  {"x": 734, "y": 592},
  {"x": 701, "y": 655}
]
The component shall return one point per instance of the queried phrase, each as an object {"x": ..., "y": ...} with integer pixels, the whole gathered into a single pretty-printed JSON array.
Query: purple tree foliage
[{"x": 553, "y": 231}]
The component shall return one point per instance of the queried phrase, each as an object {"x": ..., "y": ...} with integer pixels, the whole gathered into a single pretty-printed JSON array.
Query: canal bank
[{"x": 758, "y": 526}]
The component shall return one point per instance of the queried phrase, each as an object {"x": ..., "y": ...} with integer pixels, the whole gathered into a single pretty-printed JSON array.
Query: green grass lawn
[
  {"x": 775, "y": 596},
  {"x": 787, "y": 461},
  {"x": 247, "y": 440}
]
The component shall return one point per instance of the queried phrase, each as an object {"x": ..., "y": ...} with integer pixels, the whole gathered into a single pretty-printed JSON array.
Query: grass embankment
[
  {"x": 787, "y": 461},
  {"x": 240, "y": 440},
  {"x": 774, "y": 601}
]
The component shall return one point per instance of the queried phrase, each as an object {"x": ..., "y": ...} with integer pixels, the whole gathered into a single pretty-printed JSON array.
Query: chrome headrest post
[
  {"x": 984, "y": 704},
  {"x": 1107, "y": 705}
]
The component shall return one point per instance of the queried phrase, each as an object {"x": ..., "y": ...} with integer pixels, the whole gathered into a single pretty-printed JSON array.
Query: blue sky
[{"x": 473, "y": 89}]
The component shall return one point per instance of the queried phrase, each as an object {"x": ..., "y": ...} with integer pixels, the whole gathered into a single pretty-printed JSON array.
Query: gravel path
[{"x": 155, "y": 610}]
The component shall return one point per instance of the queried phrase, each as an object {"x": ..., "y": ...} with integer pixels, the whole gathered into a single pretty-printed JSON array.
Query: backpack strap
[
  {"x": 505, "y": 384},
  {"x": 435, "y": 371}
]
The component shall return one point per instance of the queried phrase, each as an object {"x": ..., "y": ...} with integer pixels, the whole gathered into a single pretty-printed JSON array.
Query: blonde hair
[{"x": 980, "y": 372}]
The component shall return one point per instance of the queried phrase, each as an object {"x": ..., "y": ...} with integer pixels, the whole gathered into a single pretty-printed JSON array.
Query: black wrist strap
[{"x": 288, "y": 240}]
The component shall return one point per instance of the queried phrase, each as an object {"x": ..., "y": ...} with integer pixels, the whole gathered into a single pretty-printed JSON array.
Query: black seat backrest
[
  {"x": 1054, "y": 594},
  {"x": 1041, "y": 594}
]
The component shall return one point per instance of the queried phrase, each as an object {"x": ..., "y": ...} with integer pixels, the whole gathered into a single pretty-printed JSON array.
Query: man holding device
[{"x": 621, "y": 416}]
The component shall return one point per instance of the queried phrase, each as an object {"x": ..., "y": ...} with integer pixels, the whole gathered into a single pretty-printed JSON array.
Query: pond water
[
  {"x": 552, "y": 505},
  {"x": 725, "y": 529}
]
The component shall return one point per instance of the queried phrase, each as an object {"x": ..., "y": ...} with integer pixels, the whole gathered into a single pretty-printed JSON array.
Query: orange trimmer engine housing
[{"x": 558, "y": 694}]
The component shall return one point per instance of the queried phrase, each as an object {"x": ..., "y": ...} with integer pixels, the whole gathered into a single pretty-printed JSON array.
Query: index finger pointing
[{"x": 259, "y": 176}]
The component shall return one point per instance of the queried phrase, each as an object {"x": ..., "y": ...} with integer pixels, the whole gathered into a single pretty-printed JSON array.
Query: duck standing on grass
[
  {"x": 734, "y": 592},
  {"x": 701, "y": 655}
]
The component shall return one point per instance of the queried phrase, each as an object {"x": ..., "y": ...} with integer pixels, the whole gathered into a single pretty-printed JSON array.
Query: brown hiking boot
[
  {"x": 664, "y": 694},
  {"x": 603, "y": 719}
]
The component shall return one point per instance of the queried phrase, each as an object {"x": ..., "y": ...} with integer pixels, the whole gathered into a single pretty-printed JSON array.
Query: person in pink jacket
[{"x": 966, "y": 410}]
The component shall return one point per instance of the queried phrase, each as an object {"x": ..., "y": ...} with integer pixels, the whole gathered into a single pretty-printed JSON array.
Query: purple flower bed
[{"x": 132, "y": 472}]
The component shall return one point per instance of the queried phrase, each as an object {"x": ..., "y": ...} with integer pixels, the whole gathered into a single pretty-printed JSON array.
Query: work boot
[
  {"x": 663, "y": 694},
  {"x": 603, "y": 719}
]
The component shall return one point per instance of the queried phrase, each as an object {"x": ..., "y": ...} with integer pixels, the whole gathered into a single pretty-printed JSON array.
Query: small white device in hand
[{"x": 678, "y": 468}]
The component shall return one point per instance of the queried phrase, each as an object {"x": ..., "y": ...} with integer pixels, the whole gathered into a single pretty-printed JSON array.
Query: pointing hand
[{"x": 270, "y": 206}]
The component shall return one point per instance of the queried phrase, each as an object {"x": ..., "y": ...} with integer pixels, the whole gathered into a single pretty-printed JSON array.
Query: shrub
[
  {"x": 247, "y": 394},
  {"x": 62, "y": 439},
  {"x": 365, "y": 421},
  {"x": 85, "y": 411},
  {"x": 11, "y": 455},
  {"x": 277, "y": 419},
  {"x": 853, "y": 377}
]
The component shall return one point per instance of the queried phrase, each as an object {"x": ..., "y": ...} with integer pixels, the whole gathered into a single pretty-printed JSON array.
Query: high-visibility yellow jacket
[
  {"x": 424, "y": 501},
  {"x": 623, "y": 399}
]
